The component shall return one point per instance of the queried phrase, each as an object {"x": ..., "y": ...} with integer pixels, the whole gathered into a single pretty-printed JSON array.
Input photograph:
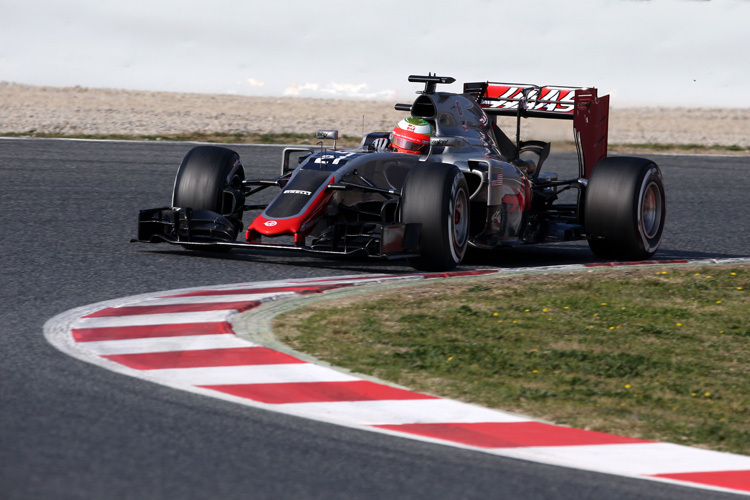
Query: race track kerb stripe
[
  {"x": 238, "y": 356},
  {"x": 150, "y": 331},
  {"x": 511, "y": 435},
  {"x": 301, "y": 290},
  {"x": 173, "y": 309},
  {"x": 318, "y": 392},
  {"x": 736, "y": 479}
]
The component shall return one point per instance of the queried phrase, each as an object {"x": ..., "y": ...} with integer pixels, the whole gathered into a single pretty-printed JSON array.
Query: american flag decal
[{"x": 496, "y": 179}]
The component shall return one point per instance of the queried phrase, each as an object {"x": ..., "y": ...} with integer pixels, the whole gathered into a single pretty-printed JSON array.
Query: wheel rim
[
  {"x": 460, "y": 219},
  {"x": 651, "y": 210}
]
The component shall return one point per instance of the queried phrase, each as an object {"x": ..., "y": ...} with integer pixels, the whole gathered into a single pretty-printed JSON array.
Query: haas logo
[{"x": 270, "y": 223}]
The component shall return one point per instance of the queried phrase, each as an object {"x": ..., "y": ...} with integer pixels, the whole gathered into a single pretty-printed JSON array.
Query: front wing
[{"x": 203, "y": 229}]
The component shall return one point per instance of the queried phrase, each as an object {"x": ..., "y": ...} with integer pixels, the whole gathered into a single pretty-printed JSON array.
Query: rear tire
[
  {"x": 625, "y": 209},
  {"x": 436, "y": 195}
]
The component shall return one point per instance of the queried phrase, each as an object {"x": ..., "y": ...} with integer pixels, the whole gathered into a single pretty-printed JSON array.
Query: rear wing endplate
[{"x": 589, "y": 112}]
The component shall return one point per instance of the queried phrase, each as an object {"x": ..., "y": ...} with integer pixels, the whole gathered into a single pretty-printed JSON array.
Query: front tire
[
  {"x": 437, "y": 196},
  {"x": 625, "y": 209},
  {"x": 209, "y": 180}
]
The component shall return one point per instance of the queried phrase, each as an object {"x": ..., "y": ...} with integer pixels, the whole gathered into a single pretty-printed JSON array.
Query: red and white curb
[{"x": 185, "y": 339}]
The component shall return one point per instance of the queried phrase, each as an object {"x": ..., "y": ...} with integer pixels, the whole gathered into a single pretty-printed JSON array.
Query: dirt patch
[{"x": 26, "y": 109}]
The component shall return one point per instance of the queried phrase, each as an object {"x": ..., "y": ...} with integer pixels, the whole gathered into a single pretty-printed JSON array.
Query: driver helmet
[{"x": 411, "y": 135}]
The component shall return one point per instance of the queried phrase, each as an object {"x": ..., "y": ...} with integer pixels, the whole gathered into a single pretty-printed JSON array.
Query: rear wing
[{"x": 589, "y": 112}]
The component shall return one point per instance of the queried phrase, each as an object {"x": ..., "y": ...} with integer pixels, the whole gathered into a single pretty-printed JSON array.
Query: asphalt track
[{"x": 72, "y": 430}]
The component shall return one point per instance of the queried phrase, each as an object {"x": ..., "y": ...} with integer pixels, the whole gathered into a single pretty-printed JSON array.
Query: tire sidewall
[
  {"x": 458, "y": 195},
  {"x": 430, "y": 196},
  {"x": 614, "y": 217},
  {"x": 651, "y": 177}
]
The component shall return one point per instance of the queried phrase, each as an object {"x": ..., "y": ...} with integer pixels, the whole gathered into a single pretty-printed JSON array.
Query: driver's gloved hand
[{"x": 380, "y": 144}]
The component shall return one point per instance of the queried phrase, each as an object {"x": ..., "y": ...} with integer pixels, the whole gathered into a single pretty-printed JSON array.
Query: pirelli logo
[{"x": 298, "y": 191}]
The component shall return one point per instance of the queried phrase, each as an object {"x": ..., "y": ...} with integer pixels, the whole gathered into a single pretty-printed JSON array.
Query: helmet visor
[{"x": 407, "y": 144}]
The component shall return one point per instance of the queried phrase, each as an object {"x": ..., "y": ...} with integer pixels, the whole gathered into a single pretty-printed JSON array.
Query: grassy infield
[{"x": 658, "y": 353}]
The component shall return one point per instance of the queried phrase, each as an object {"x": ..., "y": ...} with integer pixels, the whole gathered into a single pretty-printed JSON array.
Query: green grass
[{"x": 660, "y": 353}]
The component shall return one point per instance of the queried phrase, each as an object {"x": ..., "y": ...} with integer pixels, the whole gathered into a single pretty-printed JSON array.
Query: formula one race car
[{"x": 468, "y": 184}]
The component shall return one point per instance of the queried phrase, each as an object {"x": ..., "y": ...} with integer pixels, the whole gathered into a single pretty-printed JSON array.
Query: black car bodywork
[{"x": 474, "y": 187}]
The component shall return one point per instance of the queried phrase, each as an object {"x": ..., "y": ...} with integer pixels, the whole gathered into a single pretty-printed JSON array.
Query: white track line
[
  {"x": 260, "y": 374},
  {"x": 414, "y": 411},
  {"x": 166, "y": 344},
  {"x": 637, "y": 459},
  {"x": 219, "y": 316}
]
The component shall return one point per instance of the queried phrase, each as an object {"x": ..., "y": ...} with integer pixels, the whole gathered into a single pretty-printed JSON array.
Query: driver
[{"x": 411, "y": 135}]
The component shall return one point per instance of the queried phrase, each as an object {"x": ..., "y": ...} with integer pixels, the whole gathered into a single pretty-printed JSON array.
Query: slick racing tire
[
  {"x": 625, "y": 209},
  {"x": 436, "y": 195},
  {"x": 210, "y": 178}
]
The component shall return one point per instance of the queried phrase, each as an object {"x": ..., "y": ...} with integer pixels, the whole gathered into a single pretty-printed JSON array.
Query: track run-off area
[{"x": 210, "y": 341}]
